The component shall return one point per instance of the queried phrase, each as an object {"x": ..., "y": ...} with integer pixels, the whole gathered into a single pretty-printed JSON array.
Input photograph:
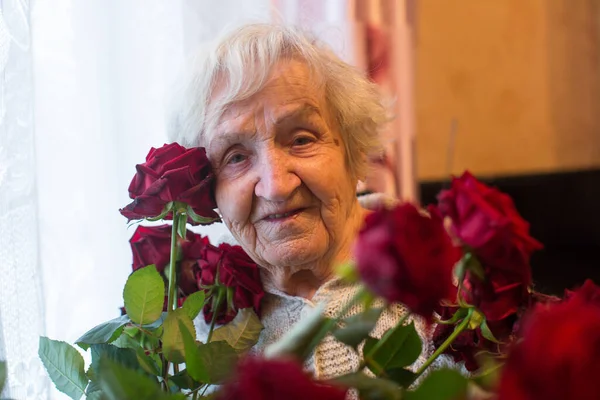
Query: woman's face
[{"x": 283, "y": 187}]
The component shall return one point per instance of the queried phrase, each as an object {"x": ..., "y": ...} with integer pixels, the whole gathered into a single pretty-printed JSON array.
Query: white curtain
[
  {"x": 84, "y": 95},
  {"x": 84, "y": 89}
]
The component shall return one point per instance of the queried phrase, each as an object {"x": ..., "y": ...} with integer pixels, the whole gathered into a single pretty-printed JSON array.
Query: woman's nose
[{"x": 277, "y": 180}]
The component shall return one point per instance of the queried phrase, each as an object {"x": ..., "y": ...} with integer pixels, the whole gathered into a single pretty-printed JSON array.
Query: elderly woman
[{"x": 288, "y": 127}]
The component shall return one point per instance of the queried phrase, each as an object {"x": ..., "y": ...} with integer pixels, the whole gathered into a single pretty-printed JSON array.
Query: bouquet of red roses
[{"x": 462, "y": 267}]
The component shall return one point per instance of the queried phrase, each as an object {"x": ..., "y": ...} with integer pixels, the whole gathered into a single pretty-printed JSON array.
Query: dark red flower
[
  {"x": 498, "y": 296},
  {"x": 152, "y": 245},
  {"x": 172, "y": 173},
  {"x": 559, "y": 354},
  {"x": 270, "y": 379},
  {"x": 469, "y": 343},
  {"x": 235, "y": 271},
  {"x": 405, "y": 256},
  {"x": 588, "y": 292},
  {"x": 487, "y": 221}
]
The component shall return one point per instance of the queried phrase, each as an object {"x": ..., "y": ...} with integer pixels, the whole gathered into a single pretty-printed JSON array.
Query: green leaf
[
  {"x": 200, "y": 219},
  {"x": 96, "y": 395},
  {"x": 476, "y": 318},
  {"x": 348, "y": 272},
  {"x": 371, "y": 388},
  {"x": 296, "y": 341},
  {"x": 242, "y": 332},
  {"x": 120, "y": 383},
  {"x": 64, "y": 365},
  {"x": 221, "y": 358},
  {"x": 457, "y": 316},
  {"x": 401, "y": 376},
  {"x": 397, "y": 348},
  {"x": 193, "y": 362},
  {"x": 144, "y": 295},
  {"x": 125, "y": 341},
  {"x": 2, "y": 375},
  {"x": 487, "y": 333},
  {"x": 93, "y": 387},
  {"x": 163, "y": 214},
  {"x": 442, "y": 384},
  {"x": 156, "y": 324},
  {"x": 471, "y": 263},
  {"x": 124, "y": 357},
  {"x": 182, "y": 225},
  {"x": 103, "y": 333},
  {"x": 183, "y": 380},
  {"x": 193, "y": 304},
  {"x": 358, "y": 327},
  {"x": 173, "y": 346},
  {"x": 147, "y": 362}
]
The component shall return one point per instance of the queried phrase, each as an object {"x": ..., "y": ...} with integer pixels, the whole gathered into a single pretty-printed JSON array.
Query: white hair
[{"x": 244, "y": 59}]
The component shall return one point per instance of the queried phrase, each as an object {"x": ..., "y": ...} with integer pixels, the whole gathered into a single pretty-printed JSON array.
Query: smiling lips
[{"x": 276, "y": 217}]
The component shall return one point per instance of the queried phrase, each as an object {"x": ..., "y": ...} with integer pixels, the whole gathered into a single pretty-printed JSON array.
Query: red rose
[
  {"x": 407, "y": 257},
  {"x": 589, "y": 292},
  {"x": 264, "y": 379},
  {"x": 469, "y": 343},
  {"x": 498, "y": 296},
  {"x": 559, "y": 354},
  {"x": 235, "y": 270},
  {"x": 152, "y": 245},
  {"x": 172, "y": 173},
  {"x": 486, "y": 220}
]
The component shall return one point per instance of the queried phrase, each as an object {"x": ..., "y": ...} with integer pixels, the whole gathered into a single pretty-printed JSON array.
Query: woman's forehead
[{"x": 288, "y": 93}]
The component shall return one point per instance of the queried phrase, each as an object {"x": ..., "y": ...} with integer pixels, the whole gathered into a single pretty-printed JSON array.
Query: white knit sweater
[{"x": 280, "y": 312}]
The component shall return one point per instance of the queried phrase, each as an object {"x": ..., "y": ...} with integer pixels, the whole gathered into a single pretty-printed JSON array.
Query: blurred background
[{"x": 508, "y": 89}]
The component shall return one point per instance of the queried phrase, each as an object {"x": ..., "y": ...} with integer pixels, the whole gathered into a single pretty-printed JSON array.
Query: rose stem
[
  {"x": 214, "y": 316},
  {"x": 172, "y": 301},
  {"x": 457, "y": 331}
]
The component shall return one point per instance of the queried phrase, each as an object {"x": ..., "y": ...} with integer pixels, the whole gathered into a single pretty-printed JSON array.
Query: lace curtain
[
  {"x": 21, "y": 306},
  {"x": 84, "y": 94}
]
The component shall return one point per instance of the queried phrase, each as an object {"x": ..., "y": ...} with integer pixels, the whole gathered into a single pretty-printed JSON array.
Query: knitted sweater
[{"x": 280, "y": 312}]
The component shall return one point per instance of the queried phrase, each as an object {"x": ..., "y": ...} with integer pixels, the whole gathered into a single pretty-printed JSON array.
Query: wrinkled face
[{"x": 283, "y": 187}]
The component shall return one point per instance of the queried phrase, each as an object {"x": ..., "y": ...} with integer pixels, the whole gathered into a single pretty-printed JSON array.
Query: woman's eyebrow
[{"x": 303, "y": 111}]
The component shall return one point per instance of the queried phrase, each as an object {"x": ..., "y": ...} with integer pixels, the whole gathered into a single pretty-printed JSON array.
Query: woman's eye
[
  {"x": 302, "y": 141},
  {"x": 236, "y": 158}
]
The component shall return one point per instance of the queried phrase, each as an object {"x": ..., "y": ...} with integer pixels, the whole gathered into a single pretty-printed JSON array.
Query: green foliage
[
  {"x": 144, "y": 295},
  {"x": 106, "y": 332},
  {"x": 2, "y": 375},
  {"x": 172, "y": 340},
  {"x": 442, "y": 384},
  {"x": 487, "y": 333},
  {"x": 149, "y": 363},
  {"x": 371, "y": 388},
  {"x": 221, "y": 359},
  {"x": 357, "y": 328},
  {"x": 120, "y": 383},
  {"x": 182, "y": 225},
  {"x": 198, "y": 218},
  {"x": 65, "y": 366},
  {"x": 242, "y": 333},
  {"x": 124, "y": 357},
  {"x": 194, "y": 303},
  {"x": 193, "y": 361},
  {"x": 397, "y": 348}
]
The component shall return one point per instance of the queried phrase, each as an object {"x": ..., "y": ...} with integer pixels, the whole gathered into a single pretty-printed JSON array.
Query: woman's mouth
[{"x": 276, "y": 217}]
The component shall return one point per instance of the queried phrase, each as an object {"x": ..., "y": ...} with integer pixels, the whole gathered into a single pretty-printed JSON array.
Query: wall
[{"x": 520, "y": 77}]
